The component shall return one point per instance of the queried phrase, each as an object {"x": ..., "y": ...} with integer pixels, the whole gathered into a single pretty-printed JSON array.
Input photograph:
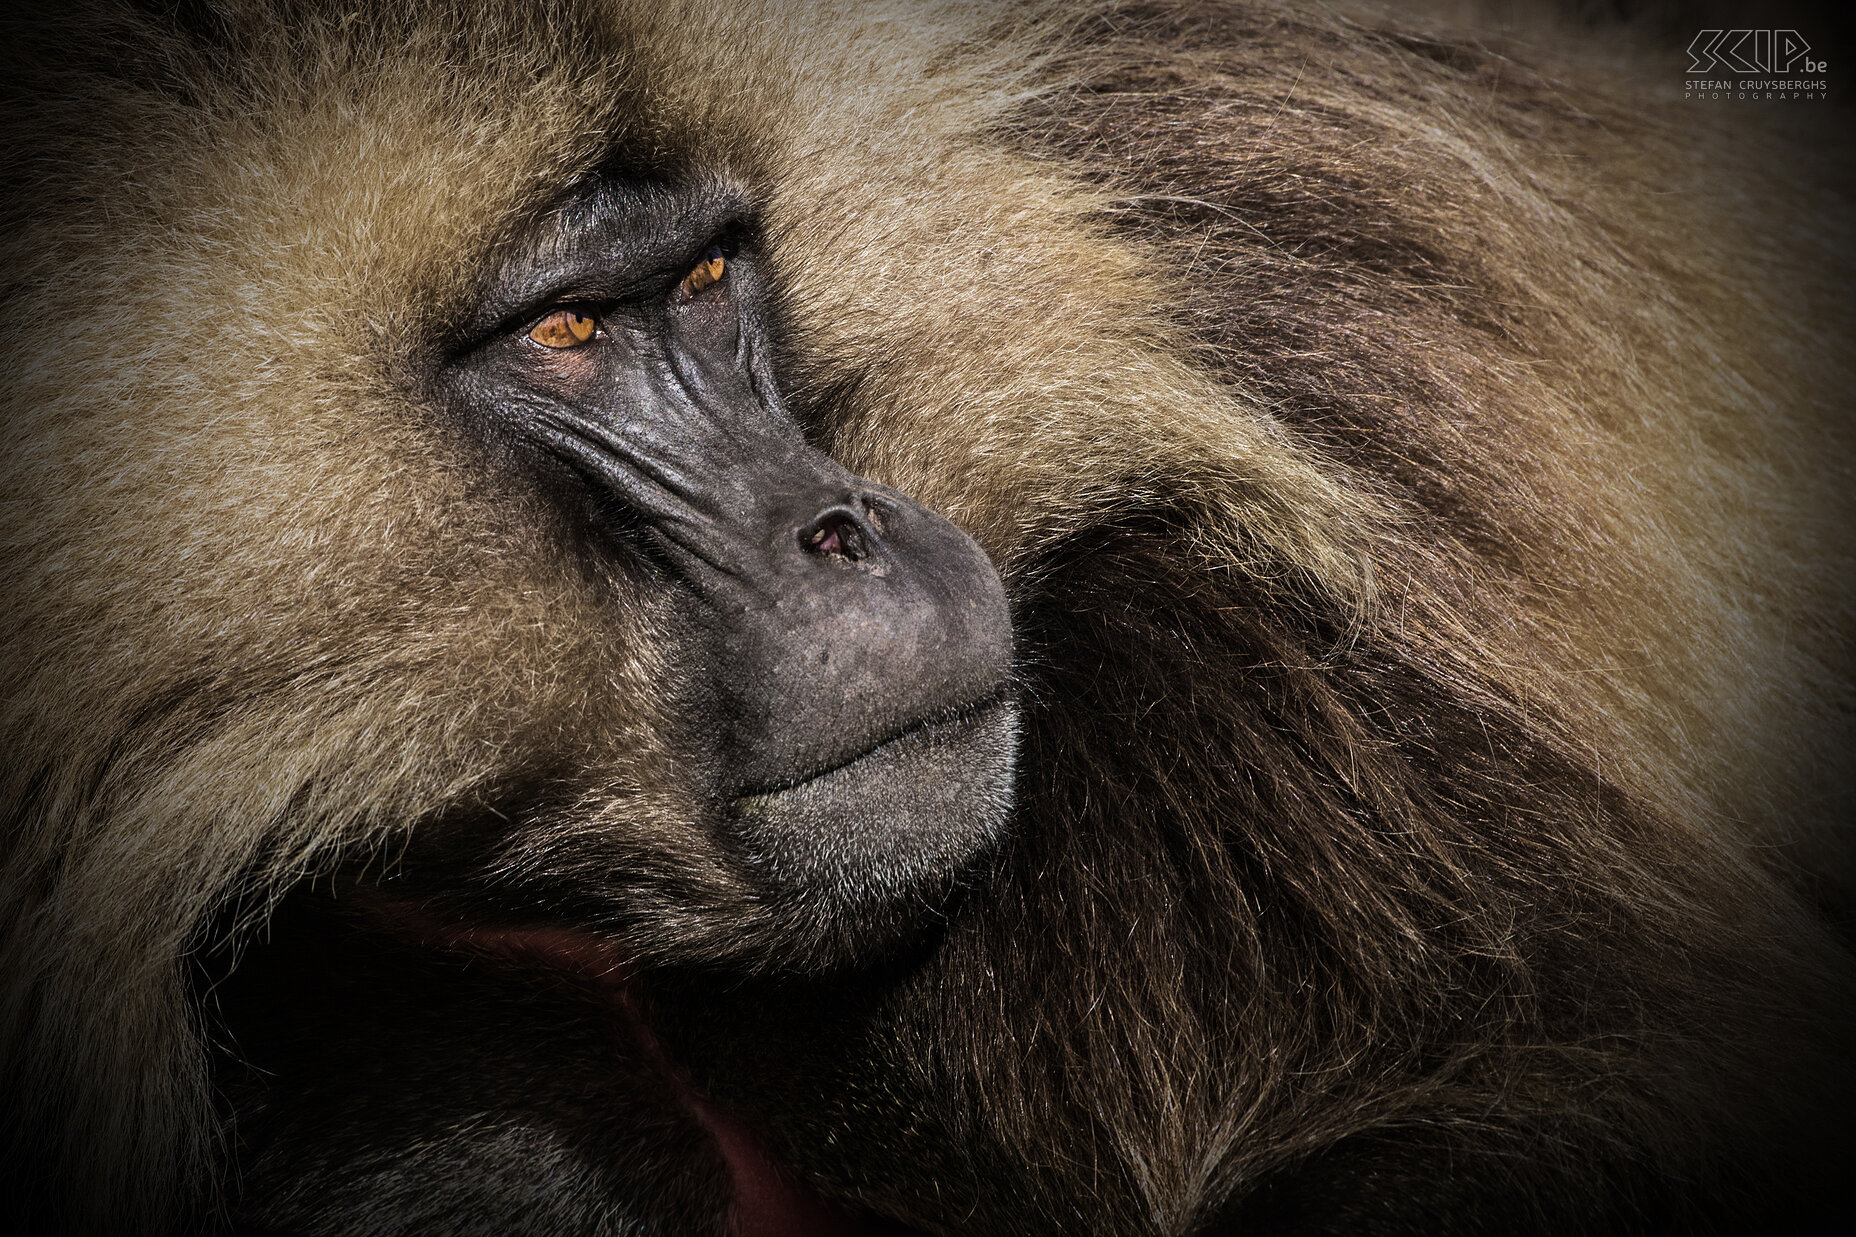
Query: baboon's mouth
[
  {"x": 968, "y": 720},
  {"x": 910, "y": 810}
]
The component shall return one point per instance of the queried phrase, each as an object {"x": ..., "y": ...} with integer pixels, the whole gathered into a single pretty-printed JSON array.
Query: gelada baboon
[{"x": 503, "y": 733}]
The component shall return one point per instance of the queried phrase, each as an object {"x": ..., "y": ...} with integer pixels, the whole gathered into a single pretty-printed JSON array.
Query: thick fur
[{"x": 1419, "y": 459}]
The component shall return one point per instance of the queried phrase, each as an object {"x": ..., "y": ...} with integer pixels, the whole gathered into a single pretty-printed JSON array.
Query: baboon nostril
[{"x": 836, "y": 533}]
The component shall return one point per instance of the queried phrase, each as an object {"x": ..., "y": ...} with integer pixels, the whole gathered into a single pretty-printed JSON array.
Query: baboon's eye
[
  {"x": 705, "y": 272},
  {"x": 564, "y": 328}
]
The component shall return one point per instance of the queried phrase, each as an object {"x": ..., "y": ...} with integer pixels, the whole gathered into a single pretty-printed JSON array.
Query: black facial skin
[{"x": 852, "y": 649}]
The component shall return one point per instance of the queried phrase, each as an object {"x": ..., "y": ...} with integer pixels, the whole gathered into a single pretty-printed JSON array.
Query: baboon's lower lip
[
  {"x": 951, "y": 725},
  {"x": 893, "y": 822}
]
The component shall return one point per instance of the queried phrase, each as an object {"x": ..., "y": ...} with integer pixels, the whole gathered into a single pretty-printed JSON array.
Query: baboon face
[
  {"x": 839, "y": 653},
  {"x": 836, "y": 656}
]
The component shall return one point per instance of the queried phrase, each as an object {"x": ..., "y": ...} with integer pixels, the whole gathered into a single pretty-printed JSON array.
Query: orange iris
[
  {"x": 705, "y": 272},
  {"x": 563, "y": 329}
]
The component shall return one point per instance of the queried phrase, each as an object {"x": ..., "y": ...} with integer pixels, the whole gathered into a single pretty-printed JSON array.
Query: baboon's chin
[{"x": 888, "y": 828}]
